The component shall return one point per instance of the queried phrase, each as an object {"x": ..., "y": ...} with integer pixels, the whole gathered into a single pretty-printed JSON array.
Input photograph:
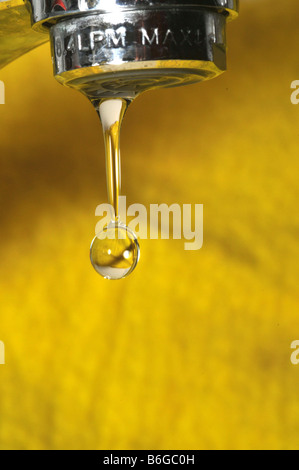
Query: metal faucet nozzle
[{"x": 102, "y": 47}]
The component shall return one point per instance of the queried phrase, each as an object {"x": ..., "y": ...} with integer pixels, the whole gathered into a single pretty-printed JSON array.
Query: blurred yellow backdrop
[{"x": 193, "y": 350}]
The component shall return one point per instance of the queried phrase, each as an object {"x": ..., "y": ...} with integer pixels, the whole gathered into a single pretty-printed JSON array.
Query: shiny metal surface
[
  {"x": 164, "y": 47},
  {"x": 104, "y": 46},
  {"x": 45, "y": 13},
  {"x": 134, "y": 46},
  {"x": 16, "y": 34}
]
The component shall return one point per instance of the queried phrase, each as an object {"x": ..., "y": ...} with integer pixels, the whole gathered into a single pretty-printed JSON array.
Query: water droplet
[{"x": 114, "y": 252}]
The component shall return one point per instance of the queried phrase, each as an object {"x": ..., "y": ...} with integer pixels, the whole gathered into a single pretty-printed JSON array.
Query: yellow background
[{"x": 193, "y": 350}]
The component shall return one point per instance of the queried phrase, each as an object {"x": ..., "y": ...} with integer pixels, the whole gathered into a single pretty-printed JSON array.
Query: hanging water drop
[{"x": 114, "y": 252}]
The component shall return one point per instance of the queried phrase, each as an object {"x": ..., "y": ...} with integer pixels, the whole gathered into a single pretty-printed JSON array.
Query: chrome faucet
[
  {"x": 16, "y": 35},
  {"x": 102, "y": 47}
]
